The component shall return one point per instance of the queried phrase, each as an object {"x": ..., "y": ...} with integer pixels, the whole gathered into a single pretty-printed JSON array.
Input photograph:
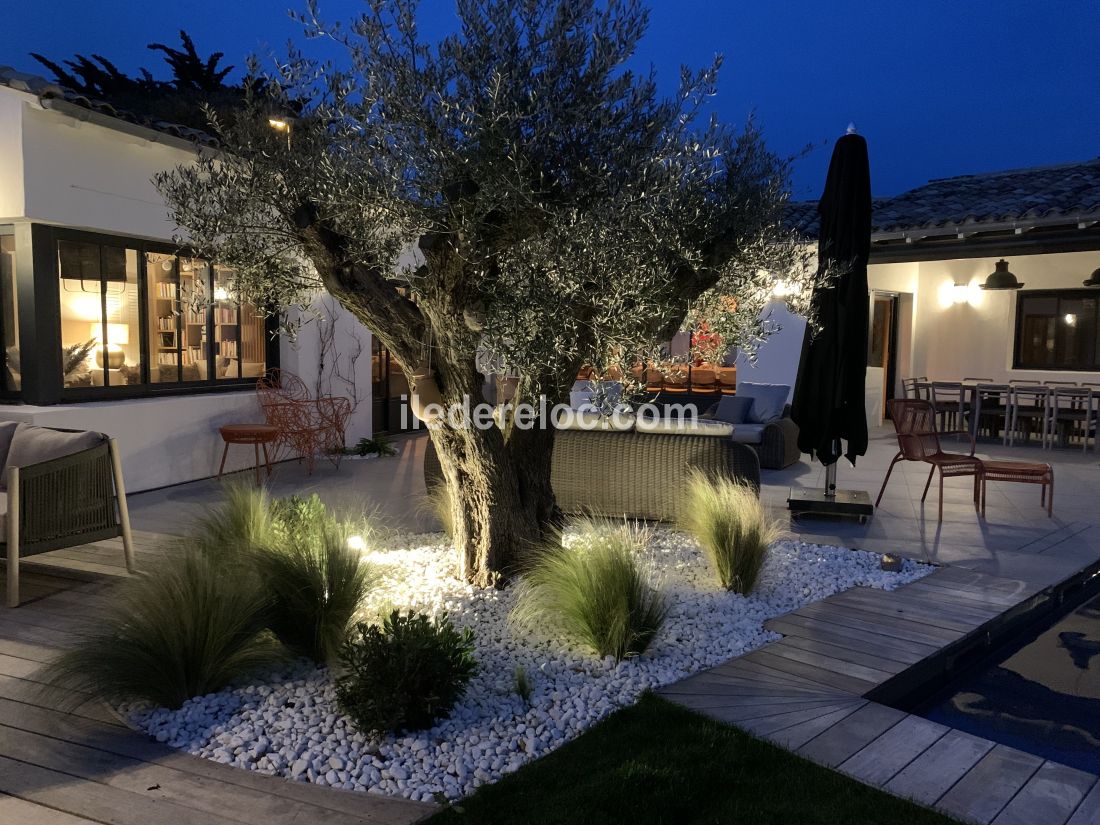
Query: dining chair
[
  {"x": 973, "y": 380},
  {"x": 913, "y": 387},
  {"x": 1072, "y": 410},
  {"x": 1030, "y": 404},
  {"x": 949, "y": 399},
  {"x": 990, "y": 406}
]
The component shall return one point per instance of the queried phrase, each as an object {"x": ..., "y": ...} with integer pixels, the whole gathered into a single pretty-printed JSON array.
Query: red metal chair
[
  {"x": 308, "y": 427},
  {"x": 915, "y": 423}
]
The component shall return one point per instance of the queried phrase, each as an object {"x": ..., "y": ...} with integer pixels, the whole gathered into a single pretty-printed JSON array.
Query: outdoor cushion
[
  {"x": 33, "y": 445},
  {"x": 749, "y": 433},
  {"x": 768, "y": 400},
  {"x": 686, "y": 427},
  {"x": 7, "y": 431},
  {"x": 736, "y": 409},
  {"x": 588, "y": 420}
]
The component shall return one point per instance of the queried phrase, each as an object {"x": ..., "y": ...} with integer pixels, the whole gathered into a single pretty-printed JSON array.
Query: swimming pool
[{"x": 1039, "y": 693}]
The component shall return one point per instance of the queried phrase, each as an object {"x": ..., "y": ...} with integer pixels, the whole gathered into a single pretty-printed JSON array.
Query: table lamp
[{"x": 117, "y": 334}]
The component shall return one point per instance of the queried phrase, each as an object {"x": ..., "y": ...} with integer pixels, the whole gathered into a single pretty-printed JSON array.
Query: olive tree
[{"x": 561, "y": 210}]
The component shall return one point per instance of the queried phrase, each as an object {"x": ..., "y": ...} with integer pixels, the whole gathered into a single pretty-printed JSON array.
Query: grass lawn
[{"x": 657, "y": 764}]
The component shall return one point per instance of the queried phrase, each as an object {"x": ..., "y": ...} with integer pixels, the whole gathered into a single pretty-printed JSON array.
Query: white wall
[
  {"x": 161, "y": 441},
  {"x": 85, "y": 175},
  {"x": 11, "y": 153},
  {"x": 777, "y": 360},
  {"x": 976, "y": 339}
]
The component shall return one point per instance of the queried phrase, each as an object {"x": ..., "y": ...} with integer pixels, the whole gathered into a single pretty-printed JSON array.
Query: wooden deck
[
  {"x": 807, "y": 692},
  {"x": 61, "y": 768}
]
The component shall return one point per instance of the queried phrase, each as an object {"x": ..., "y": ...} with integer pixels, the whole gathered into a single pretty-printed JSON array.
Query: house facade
[
  {"x": 933, "y": 249},
  {"x": 107, "y": 325}
]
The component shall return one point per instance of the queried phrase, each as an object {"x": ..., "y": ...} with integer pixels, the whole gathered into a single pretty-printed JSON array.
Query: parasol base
[{"x": 842, "y": 504}]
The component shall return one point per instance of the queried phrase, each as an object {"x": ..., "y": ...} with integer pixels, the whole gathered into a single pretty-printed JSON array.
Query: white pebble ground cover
[{"x": 291, "y": 726}]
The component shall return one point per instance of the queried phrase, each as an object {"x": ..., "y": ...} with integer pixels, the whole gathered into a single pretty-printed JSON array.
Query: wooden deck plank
[
  {"x": 1088, "y": 812},
  {"x": 93, "y": 800},
  {"x": 914, "y": 610},
  {"x": 1050, "y": 797},
  {"x": 875, "y": 622},
  {"x": 881, "y": 759},
  {"x": 841, "y": 659},
  {"x": 817, "y": 675},
  {"x": 796, "y": 736},
  {"x": 779, "y": 721},
  {"x": 159, "y": 783},
  {"x": 92, "y": 733},
  {"x": 738, "y": 714},
  {"x": 950, "y": 590},
  {"x": 842, "y": 740},
  {"x": 874, "y": 644},
  {"x": 990, "y": 785},
  {"x": 931, "y": 775},
  {"x": 14, "y": 810}
]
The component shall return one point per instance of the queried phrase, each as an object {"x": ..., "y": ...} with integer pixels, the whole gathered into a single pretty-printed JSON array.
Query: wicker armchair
[
  {"x": 64, "y": 488},
  {"x": 632, "y": 474}
]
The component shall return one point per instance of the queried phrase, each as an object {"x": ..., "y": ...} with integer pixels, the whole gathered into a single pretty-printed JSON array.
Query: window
[
  {"x": 138, "y": 316},
  {"x": 1057, "y": 330},
  {"x": 9, "y": 313},
  {"x": 100, "y": 340}
]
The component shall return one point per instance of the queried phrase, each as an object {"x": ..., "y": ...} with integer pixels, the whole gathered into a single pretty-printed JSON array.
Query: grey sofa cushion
[
  {"x": 749, "y": 433},
  {"x": 768, "y": 400},
  {"x": 736, "y": 409},
  {"x": 33, "y": 445},
  {"x": 699, "y": 426}
]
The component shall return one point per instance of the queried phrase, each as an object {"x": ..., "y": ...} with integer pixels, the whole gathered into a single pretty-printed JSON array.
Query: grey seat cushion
[
  {"x": 33, "y": 445},
  {"x": 768, "y": 400},
  {"x": 736, "y": 409},
  {"x": 699, "y": 426},
  {"x": 749, "y": 433}
]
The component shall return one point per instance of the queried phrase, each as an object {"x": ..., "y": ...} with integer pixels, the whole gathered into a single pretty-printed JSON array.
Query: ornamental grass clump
[
  {"x": 310, "y": 563},
  {"x": 594, "y": 592},
  {"x": 732, "y": 527},
  {"x": 190, "y": 628},
  {"x": 405, "y": 674}
]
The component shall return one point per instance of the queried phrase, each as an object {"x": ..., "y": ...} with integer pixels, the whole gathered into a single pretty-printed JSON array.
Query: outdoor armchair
[
  {"x": 918, "y": 440},
  {"x": 62, "y": 488},
  {"x": 308, "y": 427}
]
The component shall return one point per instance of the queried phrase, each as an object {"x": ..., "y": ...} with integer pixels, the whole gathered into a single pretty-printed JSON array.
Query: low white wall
[{"x": 162, "y": 441}]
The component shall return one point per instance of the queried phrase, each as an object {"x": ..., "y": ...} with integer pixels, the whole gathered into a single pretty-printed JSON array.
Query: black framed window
[
  {"x": 136, "y": 318},
  {"x": 1057, "y": 330}
]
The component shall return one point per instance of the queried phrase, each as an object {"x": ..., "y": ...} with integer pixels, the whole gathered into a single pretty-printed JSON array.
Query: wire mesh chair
[
  {"x": 308, "y": 427},
  {"x": 1072, "y": 412},
  {"x": 918, "y": 440},
  {"x": 1028, "y": 404}
]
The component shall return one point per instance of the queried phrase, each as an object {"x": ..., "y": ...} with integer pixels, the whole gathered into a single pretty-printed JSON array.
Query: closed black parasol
[{"x": 829, "y": 399}]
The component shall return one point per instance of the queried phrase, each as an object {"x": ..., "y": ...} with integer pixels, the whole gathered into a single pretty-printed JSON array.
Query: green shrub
[
  {"x": 593, "y": 592},
  {"x": 380, "y": 445},
  {"x": 406, "y": 674},
  {"x": 190, "y": 627},
  {"x": 732, "y": 527},
  {"x": 317, "y": 583}
]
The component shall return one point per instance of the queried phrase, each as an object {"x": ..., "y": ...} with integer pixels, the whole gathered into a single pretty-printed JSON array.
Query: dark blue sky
[{"x": 938, "y": 88}]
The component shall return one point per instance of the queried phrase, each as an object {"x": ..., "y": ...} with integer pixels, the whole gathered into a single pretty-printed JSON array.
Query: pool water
[{"x": 1041, "y": 694}]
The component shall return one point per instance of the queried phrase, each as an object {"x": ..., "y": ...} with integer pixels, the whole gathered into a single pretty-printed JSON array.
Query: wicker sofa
[
  {"x": 61, "y": 488},
  {"x": 630, "y": 473}
]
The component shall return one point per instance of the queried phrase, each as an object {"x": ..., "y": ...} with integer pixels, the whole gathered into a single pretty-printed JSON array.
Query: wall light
[
  {"x": 1070, "y": 319},
  {"x": 952, "y": 293},
  {"x": 782, "y": 289},
  {"x": 279, "y": 124}
]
